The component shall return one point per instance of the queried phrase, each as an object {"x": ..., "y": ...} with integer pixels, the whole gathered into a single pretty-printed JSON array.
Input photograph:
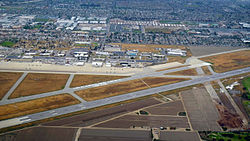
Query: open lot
[
  {"x": 170, "y": 108},
  {"x": 41, "y": 134},
  {"x": 229, "y": 61},
  {"x": 201, "y": 110},
  {"x": 128, "y": 121},
  {"x": 89, "y": 118},
  {"x": 125, "y": 87},
  {"x": 36, "y": 83},
  {"x": 35, "y": 106},
  {"x": 189, "y": 72},
  {"x": 7, "y": 80},
  {"x": 80, "y": 80}
]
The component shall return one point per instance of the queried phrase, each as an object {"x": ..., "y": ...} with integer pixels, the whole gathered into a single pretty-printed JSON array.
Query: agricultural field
[
  {"x": 125, "y": 87},
  {"x": 35, "y": 106},
  {"x": 80, "y": 80},
  {"x": 7, "y": 80},
  {"x": 189, "y": 72},
  {"x": 36, "y": 83},
  {"x": 229, "y": 61}
]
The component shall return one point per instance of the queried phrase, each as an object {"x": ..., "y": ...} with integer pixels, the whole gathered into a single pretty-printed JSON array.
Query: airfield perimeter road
[{"x": 114, "y": 99}]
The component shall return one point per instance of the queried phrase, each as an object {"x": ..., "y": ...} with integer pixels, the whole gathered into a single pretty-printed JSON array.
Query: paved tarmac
[{"x": 114, "y": 99}]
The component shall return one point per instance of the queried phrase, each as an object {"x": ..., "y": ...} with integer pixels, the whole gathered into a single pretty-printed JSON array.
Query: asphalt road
[{"x": 114, "y": 99}]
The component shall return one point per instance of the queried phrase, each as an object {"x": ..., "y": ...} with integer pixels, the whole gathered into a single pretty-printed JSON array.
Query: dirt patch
[
  {"x": 228, "y": 119},
  {"x": 189, "y": 72},
  {"x": 35, "y": 106},
  {"x": 206, "y": 70},
  {"x": 125, "y": 87},
  {"x": 7, "y": 80},
  {"x": 80, "y": 80},
  {"x": 36, "y": 83},
  {"x": 229, "y": 61}
]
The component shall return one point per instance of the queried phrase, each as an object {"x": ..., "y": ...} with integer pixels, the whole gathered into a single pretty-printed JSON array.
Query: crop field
[
  {"x": 35, "y": 106},
  {"x": 125, "y": 87},
  {"x": 80, "y": 80},
  {"x": 229, "y": 61},
  {"x": 189, "y": 72},
  {"x": 36, "y": 83},
  {"x": 7, "y": 79}
]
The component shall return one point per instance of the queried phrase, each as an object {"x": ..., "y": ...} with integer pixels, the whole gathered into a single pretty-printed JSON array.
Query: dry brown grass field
[
  {"x": 35, "y": 106},
  {"x": 189, "y": 72},
  {"x": 36, "y": 83},
  {"x": 159, "y": 81},
  {"x": 206, "y": 70},
  {"x": 80, "y": 80},
  {"x": 171, "y": 68},
  {"x": 229, "y": 61},
  {"x": 125, "y": 87},
  {"x": 7, "y": 80}
]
